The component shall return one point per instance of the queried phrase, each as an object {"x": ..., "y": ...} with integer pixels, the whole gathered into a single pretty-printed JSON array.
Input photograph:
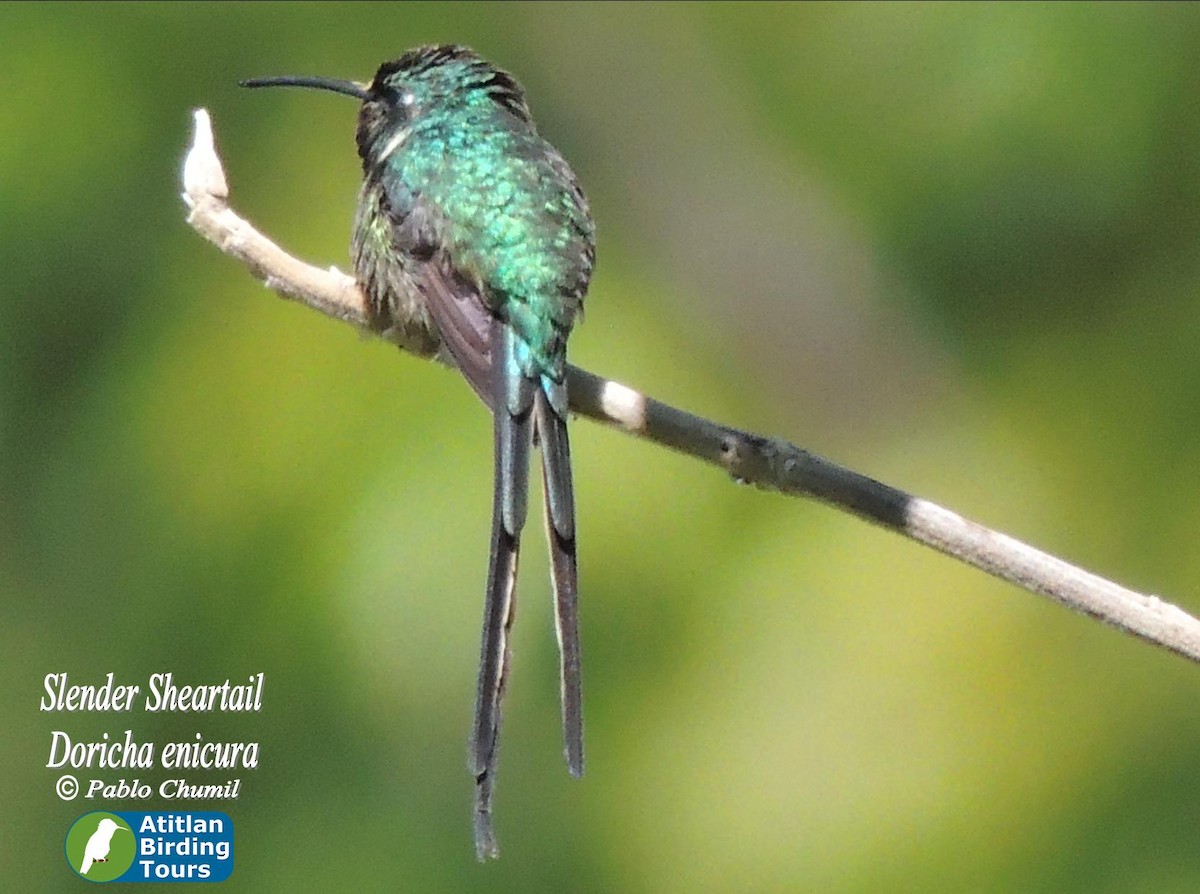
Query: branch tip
[{"x": 203, "y": 175}]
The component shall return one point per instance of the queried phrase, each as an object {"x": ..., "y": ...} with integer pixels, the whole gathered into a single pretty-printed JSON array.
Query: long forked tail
[
  {"x": 521, "y": 405},
  {"x": 560, "y": 533}
]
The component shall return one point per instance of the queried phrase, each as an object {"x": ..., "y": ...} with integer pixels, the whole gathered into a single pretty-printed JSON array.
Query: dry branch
[{"x": 769, "y": 463}]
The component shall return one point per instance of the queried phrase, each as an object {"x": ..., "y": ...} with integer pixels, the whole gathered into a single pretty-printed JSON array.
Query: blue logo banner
[{"x": 159, "y": 846}]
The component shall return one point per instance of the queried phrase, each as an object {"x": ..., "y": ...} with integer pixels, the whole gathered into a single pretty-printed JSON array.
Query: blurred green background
[{"x": 956, "y": 247}]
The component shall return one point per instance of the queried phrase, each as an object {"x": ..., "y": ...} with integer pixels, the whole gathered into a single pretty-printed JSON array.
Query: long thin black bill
[{"x": 350, "y": 88}]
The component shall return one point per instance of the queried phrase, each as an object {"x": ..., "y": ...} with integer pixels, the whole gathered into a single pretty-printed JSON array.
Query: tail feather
[
  {"x": 485, "y": 837},
  {"x": 487, "y": 351},
  {"x": 560, "y": 534},
  {"x": 493, "y": 678},
  {"x": 512, "y": 402}
]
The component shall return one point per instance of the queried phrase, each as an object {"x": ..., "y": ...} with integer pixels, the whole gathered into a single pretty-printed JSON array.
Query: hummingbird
[
  {"x": 99, "y": 844},
  {"x": 473, "y": 242}
]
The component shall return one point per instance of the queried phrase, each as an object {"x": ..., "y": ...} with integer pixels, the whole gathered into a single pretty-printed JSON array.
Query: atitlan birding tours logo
[{"x": 151, "y": 847}]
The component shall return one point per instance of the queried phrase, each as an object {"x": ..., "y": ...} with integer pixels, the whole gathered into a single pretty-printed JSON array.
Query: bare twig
[{"x": 766, "y": 462}]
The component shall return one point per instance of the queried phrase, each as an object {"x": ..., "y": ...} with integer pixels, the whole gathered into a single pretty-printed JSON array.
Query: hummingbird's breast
[{"x": 388, "y": 278}]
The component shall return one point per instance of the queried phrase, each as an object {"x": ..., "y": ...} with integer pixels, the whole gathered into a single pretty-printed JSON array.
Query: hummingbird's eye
[{"x": 402, "y": 103}]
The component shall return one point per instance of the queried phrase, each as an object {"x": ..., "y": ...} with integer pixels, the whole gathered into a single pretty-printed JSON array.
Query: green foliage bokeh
[{"x": 956, "y": 247}]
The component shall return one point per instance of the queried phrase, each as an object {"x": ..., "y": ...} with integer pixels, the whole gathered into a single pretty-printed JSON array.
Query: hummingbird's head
[{"x": 425, "y": 82}]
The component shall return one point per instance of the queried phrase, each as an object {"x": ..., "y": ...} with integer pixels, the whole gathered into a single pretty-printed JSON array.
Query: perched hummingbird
[
  {"x": 99, "y": 844},
  {"x": 474, "y": 240}
]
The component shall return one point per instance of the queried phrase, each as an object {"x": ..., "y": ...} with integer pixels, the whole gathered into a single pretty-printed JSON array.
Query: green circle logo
[{"x": 100, "y": 846}]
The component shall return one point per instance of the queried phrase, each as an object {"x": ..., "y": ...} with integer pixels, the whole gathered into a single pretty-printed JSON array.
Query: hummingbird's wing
[
  {"x": 464, "y": 323},
  {"x": 450, "y": 298}
]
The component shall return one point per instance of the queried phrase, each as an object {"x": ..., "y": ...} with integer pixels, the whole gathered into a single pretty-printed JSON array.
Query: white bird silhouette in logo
[{"x": 97, "y": 847}]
